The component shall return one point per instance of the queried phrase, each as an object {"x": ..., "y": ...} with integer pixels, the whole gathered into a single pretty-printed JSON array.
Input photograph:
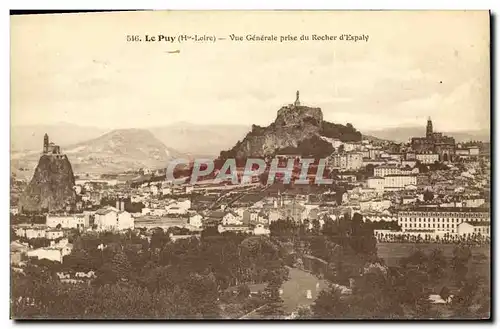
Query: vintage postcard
[{"x": 250, "y": 165}]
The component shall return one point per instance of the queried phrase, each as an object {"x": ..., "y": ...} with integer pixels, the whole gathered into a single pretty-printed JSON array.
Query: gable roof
[
  {"x": 106, "y": 210},
  {"x": 216, "y": 214}
]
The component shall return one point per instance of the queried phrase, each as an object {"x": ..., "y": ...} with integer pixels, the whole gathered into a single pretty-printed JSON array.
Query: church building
[
  {"x": 50, "y": 148},
  {"x": 434, "y": 142}
]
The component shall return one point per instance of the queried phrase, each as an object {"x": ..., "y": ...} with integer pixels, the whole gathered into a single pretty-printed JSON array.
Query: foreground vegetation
[{"x": 212, "y": 277}]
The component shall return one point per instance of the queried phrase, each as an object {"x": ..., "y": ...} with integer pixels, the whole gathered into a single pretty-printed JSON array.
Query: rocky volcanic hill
[
  {"x": 296, "y": 130},
  {"x": 51, "y": 188},
  {"x": 117, "y": 151}
]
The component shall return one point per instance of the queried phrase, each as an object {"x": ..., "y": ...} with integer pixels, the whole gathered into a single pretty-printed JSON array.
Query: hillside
[
  {"x": 116, "y": 151},
  {"x": 297, "y": 129},
  {"x": 51, "y": 187}
]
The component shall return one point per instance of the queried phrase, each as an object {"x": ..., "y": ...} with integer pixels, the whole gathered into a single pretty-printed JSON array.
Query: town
[{"x": 430, "y": 190}]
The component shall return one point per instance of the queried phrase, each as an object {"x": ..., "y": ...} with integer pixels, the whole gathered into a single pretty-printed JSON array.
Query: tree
[
  {"x": 39, "y": 242},
  {"x": 422, "y": 168},
  {"x": 437, "y": 264},
  {"x": 370, "y": 170},
  {"x": 329, "y": 305},
  {"x": 243, "y": 291},
  {"x": 120, "y": 266},
  {"x": 274, "y": 303},
  {"x": 459, "y": 262},
  {"x": 428, "y": 195},
  {"x": 304, "y": 312},
  {"x": 445, "y": 293},
  {"x": 158, "y": 239}
]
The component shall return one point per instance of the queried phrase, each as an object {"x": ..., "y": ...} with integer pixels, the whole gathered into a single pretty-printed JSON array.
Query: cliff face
[
  {"x": 293, "y": 126},
  {"x": 51, "y": 187}
]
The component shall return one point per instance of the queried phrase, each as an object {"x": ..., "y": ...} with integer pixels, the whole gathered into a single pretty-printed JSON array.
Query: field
[
  {"x": 393, "y": 252},
  {"x": 296, "y": 287}
]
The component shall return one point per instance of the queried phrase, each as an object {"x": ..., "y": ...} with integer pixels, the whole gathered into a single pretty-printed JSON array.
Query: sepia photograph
[{"x": 250, "y": 165}]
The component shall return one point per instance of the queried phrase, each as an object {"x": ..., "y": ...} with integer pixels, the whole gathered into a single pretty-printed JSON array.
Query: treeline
[
  {"x": 141, "y": 278},
  {"x": 345, "y": 133},
  {"x": 403, "y": 292},
  {"x": 346, "y": 244}
]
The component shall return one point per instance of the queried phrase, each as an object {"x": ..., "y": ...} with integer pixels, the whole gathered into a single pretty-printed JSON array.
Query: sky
[{"x": 80, "y": 69}]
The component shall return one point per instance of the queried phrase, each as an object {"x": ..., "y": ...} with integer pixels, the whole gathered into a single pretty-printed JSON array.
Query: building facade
[
  {"x": 382, "y": 171},
  {"x": 440, "y": 219},
  {"x": 469, "y": 228},
  {"x": 346, "y": 161},
  {"x": 112, "y": 219},
  {"x": 434, "y": 142},
  {"x": 427, "y": 158},
  {"x": 78, "y": 221}
]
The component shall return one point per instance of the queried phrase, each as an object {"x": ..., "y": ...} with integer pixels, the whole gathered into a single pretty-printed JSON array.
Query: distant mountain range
[
  {"x": 196, "y": 140},
  {"x": 200, "y": 140},
  {"x": 30, "y": 138},
  {"x": 403, "y": 134}
]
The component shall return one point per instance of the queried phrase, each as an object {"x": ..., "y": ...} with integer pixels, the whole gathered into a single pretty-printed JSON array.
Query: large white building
[
  {"x": 392, "y": 182},
  {"x": 383, "y": 171},
  {"x": 467, "y": 151},
  {"x": 427, "y": 158},
  {"x": 260, "y": 229},
  {"x": 112, "y": 219},
  {"x": 399, "y": 181},
  {"x": 180, "y": 207},
  {"x": 78, "y": 221},
  {"x": 55, "y": 252},
  {"x": 469, "y": 228},
  {"x": 376, "y": 183},
  {"x": 440, "y": 219},
  {"x": 346, "y": 161},
  {"x": 30, "y": 231},
  {"x": 231, "y": 218},
  {"x": 196, "y": 220}
]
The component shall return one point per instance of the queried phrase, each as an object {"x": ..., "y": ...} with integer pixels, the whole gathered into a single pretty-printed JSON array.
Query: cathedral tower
[{"x": 428, "y": 132}]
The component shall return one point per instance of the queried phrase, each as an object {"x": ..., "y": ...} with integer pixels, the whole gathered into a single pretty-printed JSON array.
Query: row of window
[
  {"x": 429, "y": 225},
  {"x": 482, "y": 230},
  {"x": 453, "y": 220},
  {"x": 445, "y": 214}
]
